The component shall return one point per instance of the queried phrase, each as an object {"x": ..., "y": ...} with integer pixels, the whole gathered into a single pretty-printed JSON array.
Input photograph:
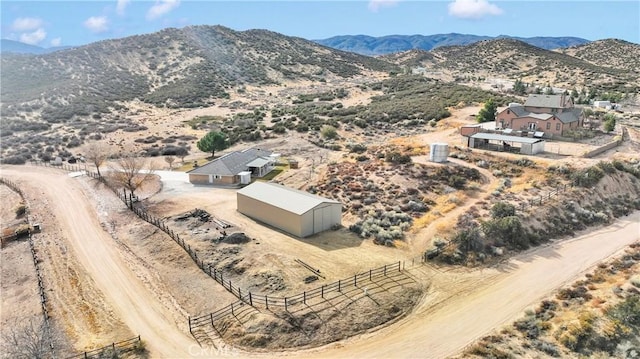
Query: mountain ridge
[{"x": 373, "y": 46}]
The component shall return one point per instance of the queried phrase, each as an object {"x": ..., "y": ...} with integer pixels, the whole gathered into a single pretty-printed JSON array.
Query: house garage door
[{"x": 321, "y": 219}]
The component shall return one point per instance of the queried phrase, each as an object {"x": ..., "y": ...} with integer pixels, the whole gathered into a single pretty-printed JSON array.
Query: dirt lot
[{"x": 112, "y": 276}]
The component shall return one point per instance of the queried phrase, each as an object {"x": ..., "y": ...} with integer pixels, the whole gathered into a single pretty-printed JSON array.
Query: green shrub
[
  {"x": 587, "y": 178},
  {"x": 20, "y": 210},
  {"x": 503, "y": 209}
]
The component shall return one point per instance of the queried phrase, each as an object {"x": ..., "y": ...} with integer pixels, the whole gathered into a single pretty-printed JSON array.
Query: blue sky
[{"x": 72, "y": 23}]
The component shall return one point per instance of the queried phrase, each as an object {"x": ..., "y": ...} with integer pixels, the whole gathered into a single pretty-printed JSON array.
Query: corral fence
[
  {"x": 34, "y": 257},
  {"x": 244, "y": 296},
  {"x": 541, "y": 199},
  {"x": 111, "y": 351},
  {"x": 266, "y": 301}
]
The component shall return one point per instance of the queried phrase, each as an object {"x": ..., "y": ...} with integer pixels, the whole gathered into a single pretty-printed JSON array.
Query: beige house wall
[{"x": 204, "y": 179}]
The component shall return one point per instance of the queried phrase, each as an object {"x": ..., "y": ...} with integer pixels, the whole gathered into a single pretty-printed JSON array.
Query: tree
[
  {"x": 30, "y": 339},
  {"x": 182, "y": 152},
  {"x": 488, "y": 113},
  {"x": 97, "y": 154},
  {"x": 609, "y": 122},
  {"x": 170, "y": 160},
  {"x": 518, "y": 87},
  {"x": 213, "y": 141},
  {"x": 131, "y": 172}
]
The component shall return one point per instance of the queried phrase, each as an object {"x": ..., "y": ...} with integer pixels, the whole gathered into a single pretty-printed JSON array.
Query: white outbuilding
[{"x": 296, "y": 212}]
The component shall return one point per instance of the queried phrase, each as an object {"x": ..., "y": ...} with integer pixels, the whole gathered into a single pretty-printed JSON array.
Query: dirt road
[
  {"x": 443, "y": 331},
  {"x": 432, "y": 332},
  {"x": 134, "y": 304}
]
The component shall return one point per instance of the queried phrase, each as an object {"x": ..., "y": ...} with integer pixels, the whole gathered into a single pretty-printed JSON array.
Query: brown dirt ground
[{"x": 143, "y": 283}]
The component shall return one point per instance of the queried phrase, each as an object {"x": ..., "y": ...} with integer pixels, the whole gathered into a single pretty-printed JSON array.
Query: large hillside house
[
  {"x": 234, "y": 168},
  {"x": 551, "y": 114}
]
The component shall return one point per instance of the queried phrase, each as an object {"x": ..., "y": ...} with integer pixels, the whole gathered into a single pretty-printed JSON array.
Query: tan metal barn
[{"x": 296, "y": 212}]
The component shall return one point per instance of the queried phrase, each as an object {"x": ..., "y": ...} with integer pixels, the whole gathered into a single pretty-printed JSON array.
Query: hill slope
[
  {"x": 174, "y": 67},
  {"x": 17, "y": 47},
  {"x": 509, "y": 58},
  {"x": 614, "y": 53},
  {"x": 368, "y": 45}
]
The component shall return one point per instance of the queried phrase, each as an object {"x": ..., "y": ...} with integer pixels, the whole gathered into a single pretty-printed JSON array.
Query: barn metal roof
[
  {"x": 497, "y": 137},
  {"x": 289, "y": 199}
]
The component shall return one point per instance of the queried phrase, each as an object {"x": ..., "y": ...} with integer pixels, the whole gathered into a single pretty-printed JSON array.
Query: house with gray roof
[
  {"x": 234, "y": 168},
  {"x": 551, "y": 114}
]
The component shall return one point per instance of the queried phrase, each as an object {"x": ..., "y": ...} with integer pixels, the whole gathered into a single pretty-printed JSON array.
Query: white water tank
[{"x": 439, "y": 152}]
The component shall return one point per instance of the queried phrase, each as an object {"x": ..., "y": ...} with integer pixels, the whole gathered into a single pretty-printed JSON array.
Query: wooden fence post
[
  {"x": 189, "y": 317},
  {"x": 250, "y": 299},
  {"x": 385, "y": 270},
  {"x": 399, "y": 270},
  {"x": 322, "y": 291},
  {"x": 266, "y": 301},
  {"x": 232, "y": 313},
  {"x": 339, "y": 285},
  {"x": 304, "y": 297},
  {"x": 285, "y": 303},
  {"x": 369, "y": 274},
  {"x": 355, "y": 280}
]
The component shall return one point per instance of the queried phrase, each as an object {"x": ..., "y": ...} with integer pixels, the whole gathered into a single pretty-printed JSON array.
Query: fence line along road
[
  {"x": 111, "y": 351},
  {"x": 244, "y": 296}
]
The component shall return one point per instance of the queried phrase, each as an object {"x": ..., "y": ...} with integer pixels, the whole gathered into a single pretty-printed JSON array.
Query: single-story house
[
  {"x": 293, "y": 211},
  {"x": 551, "y": 114},
  {"x": 498, "y": 142},
  {"x": 235, "y": 168}
]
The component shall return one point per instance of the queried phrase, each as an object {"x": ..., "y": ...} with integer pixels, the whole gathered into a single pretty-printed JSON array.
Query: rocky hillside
[
  {"x": 174, "y": 67},
  {"x": 614, "y": 53},
  {"x": 508, "y": 58},
  {"x": 368, "y": 45}
]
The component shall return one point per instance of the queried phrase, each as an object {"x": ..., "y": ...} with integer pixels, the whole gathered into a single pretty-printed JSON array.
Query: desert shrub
[
  {"x": 358, "y": 148},
  {"x": 627, "y": 312},
  {"x": 503, "y": 209},
  {"x": 14, "y": 160},
  {"x": 587, "y": 178},
  {"x": 397, "y": 158},
  {"x": 457, "y": 182},
  {"x": 505, "y": 230},
  {"x": 329, "y": 132},
  {"x": 573, "y": 293},
  {"x": 20, "y": 210},
  {"x": 607, "y": 167}
]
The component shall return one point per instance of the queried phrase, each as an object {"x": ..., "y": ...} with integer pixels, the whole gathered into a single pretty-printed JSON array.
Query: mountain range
[
  {"x": 366, "y": 45},
  {"x": 195, "y": 65},
  {"x": 372, "y": 46},
  {"x": 17, "y": 47}
]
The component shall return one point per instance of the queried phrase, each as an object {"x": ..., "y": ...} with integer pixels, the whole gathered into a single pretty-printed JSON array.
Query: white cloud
[
  {"x": 33, "y": 38},
  {"x": 97, "y": 24},
  {"x": 473, "y": 9},
  {"x": 56, "y": 42},
  {"x": 162, "y": 7},
  {"x": 375, "y": 5},
  {"x": 26, "y": 24},
  {"x": 122, "y": 4}
]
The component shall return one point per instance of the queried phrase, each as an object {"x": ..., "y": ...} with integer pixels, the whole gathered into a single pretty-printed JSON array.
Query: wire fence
[
  {"x": 541, "y": 199},
  {"x": 113, "y": 350},
  {"x": 34, "y": 256},
  {"x": 245, "y": 297}
]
